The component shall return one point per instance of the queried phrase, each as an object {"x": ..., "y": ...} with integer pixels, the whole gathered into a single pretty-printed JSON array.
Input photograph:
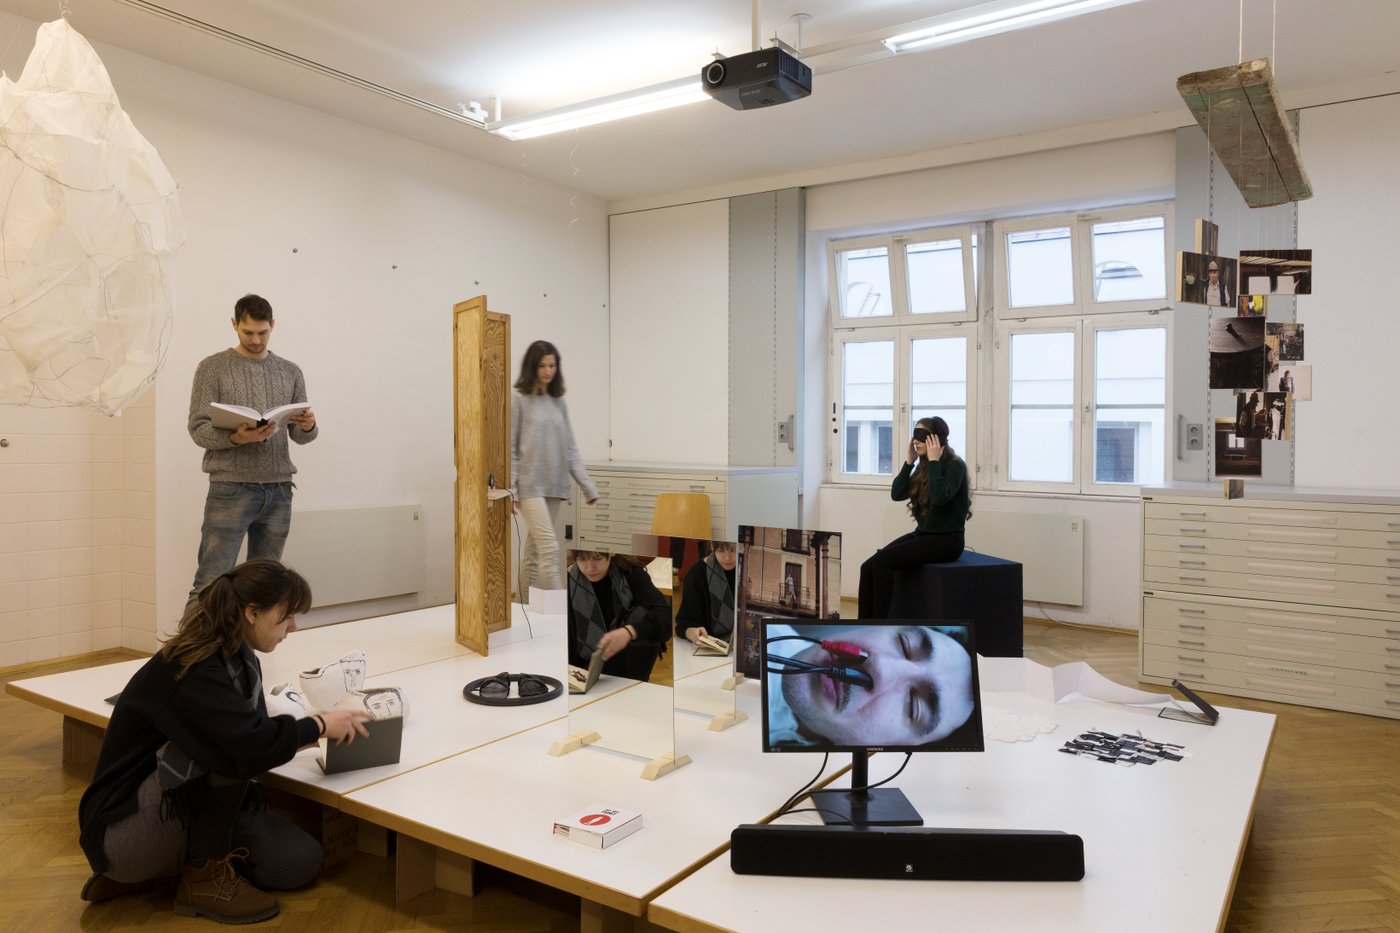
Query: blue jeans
[{"x": 261, "y": 511}]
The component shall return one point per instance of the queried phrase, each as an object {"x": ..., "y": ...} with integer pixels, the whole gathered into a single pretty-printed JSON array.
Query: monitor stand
[{"x": 883, "y": 806}]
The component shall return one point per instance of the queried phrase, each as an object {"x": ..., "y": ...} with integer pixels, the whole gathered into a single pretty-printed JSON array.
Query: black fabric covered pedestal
[{"x": 976, "y": 587}]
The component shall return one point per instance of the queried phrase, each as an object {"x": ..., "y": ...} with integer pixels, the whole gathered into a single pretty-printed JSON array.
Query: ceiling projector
[{"x": 756, "y": 79}]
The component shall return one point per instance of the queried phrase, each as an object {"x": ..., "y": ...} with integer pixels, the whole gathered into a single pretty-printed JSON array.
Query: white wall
[
  {"x": 77, "y": 530},
  {"x": 1345, "y": 434},
  {"x": 362, "y": 242},
  {"x": 670, "y": 334}
]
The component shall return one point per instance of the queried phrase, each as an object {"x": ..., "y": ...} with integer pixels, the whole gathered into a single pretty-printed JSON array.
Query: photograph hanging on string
[
  {"x": 1238, "y": 356},
  {"x": 1204, "y": 279},
  {"x": 1235, "y": 455},
  {"x": 1293, "y": 379},
  {"x": 1254, "y": 305},
  {"x": 1290, "y": 340},
  {"x": 1276, "y": 271}
]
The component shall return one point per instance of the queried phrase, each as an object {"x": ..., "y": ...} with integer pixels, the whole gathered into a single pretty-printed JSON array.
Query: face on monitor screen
[{"x": 870, "y": 685}]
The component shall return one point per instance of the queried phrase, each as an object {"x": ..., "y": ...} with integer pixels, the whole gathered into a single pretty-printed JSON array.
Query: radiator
[
  {"x": 348, "y": 555},
  {"x": 1049, "y": 547}
]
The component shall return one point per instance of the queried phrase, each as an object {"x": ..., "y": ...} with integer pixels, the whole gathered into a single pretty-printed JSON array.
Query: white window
[
  {"x": 900, "y": 350},
  {"x": 889, "y": 378},
  {"x": 1068, "y": 264},
  {"x": 1085, "y": 407},
  {"x": 917, "y": 277}
]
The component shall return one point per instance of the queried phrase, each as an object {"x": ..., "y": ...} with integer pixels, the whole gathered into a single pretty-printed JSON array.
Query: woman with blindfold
[{"x": 934, "y": 482}]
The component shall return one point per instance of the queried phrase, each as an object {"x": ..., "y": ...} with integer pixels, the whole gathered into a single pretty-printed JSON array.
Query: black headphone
[{"x": 529, "y": 688}]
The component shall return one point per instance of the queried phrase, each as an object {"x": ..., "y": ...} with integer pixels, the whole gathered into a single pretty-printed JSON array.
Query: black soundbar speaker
[{"x": 915, "y": 852}]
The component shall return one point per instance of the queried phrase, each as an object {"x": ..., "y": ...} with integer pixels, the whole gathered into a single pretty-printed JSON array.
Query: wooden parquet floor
[{"x": 1324, "y": 854}]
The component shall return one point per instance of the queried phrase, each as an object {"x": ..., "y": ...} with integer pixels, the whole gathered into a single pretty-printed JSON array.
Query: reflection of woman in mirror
[
  {"x": 543, "y": 456},
  {"x": 707, "y": 597},
  {"x": 937, "y": 492},
  {"x": 918, "y": 689},
  {"x": 616, "y": 609}
]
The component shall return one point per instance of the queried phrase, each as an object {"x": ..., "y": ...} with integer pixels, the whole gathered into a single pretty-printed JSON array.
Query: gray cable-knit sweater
[
  {"x": 543, "y": 454},
  {"x": 233, "y": 379}
]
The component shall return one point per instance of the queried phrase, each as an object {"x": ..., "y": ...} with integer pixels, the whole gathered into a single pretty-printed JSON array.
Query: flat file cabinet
[
  {"x": 1291, "y": 596},
  {"x": 738, "y": 496}
]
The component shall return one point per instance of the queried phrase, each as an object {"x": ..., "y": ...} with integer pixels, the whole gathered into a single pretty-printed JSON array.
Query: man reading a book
[{"x": 250, "y": 469}]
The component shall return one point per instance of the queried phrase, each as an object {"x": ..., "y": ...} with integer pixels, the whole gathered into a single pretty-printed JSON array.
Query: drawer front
[
  {"x": 1215, "y": 676},
  {"x": 1377, "y": 656},
  {"x": 1170, "y": 542},
  {"x": 1273, "y": 566},
  {"x": 1313, "y": 673},
  {"x": 1264, "y": 586},
  {"x": 661, "y": 482},
  {"x": 1192, "y": 616},
  {"x": 1279, "y": 534},
  {"x": 1260, "y": 514}
]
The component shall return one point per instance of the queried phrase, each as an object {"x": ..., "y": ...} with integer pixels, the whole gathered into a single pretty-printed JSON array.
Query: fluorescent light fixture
[
  {"x": 603, "y": 109},
  {"x": 990, "y": 18}
]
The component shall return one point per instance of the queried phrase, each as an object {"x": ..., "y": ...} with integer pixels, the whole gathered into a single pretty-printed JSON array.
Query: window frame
[
  {"x": 1085, "y": 329},
  {"x": 895, "y": 245},
  {"x": 1081, "y": 226},
  {"x": 903, "y": 337}
]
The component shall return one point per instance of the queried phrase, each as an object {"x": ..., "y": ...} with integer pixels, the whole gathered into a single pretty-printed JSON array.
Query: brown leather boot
[
  {"x": 215, "y": 890},
  {"x": 100, "y": 888}
]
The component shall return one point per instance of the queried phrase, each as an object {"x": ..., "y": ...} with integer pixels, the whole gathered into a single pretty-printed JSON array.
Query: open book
[
  {"x": 229, "y": 417},
  {"x": 710, "y": 646}
]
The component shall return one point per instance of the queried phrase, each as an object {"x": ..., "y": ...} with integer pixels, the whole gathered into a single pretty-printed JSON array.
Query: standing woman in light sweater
[{"x": 543, "y": 456}]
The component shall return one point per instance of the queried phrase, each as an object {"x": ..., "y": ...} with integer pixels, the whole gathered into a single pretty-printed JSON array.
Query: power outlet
[{"x": 1195, "y": 437}]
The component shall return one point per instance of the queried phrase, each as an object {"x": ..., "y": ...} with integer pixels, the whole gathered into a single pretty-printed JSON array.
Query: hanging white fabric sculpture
[{"x": 89, "y": 219}]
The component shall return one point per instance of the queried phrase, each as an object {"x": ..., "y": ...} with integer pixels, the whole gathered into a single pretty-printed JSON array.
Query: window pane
[
  {"x": 867, "y": 402},
  {"x": 864, "y": 275},
  {"x": 1039, "y": 268},
  {"x": 1042, "y": 407},
  {"x": 1130, "y": 391},
  {"x": 936, "y": 277},
  {"x": 938, "y": 385},
  {"x": 1128, "y": 259}
]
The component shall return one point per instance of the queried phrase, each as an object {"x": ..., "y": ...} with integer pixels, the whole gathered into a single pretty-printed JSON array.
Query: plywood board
[{"x": 1238, "y": 108}]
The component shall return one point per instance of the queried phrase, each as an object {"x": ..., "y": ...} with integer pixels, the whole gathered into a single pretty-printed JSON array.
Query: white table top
[
  {"x": 1161, "y": 842},
  {"x": 441, "y": 722},
  {"x": 498, "y": 804}
]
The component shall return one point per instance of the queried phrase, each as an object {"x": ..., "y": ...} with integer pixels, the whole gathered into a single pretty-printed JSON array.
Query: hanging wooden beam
[{"x": 1237, "y": 107}]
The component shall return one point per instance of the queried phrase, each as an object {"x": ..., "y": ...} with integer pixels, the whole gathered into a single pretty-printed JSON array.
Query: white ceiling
[{"x": 1107, "y": 66}]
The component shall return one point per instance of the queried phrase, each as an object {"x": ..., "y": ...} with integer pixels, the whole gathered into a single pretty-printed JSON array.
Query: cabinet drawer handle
[
  {"x": 1390, "y": 702},
  {"x": 1193, "y": 644},
  {"x": 1194, "y": 626},
  {"x": 1191, "y": 609},
  {"x": 1185, "y": 514},
  {"x": 1391, "y": 686},
  {"x": 1193, "y": 675},
  {"x": 1393, "y": 577},
  {"x": 1393, "y": 542},
  {"x": 1392, "y": 560},
  {"x": 1190, "y": 660},
  {"x": 1195, "y": 531},
  {"x": 1391, "y": 631},
  {"x": 1190, "y": 547},
  {"x": 1192, "y": 563},
  {"x": 1184, "y": 578}
]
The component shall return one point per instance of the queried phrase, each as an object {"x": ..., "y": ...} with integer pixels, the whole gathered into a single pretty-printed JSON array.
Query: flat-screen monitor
[{"x": 868, "y": 686}]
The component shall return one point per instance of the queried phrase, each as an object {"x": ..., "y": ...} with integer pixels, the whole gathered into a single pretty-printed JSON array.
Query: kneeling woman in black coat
[
  {"x": 616, "y": 609},
  {"x": 171, "y": 797}
]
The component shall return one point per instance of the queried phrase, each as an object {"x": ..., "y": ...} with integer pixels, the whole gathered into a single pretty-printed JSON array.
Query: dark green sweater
[{"x": 947, "y": 493}]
